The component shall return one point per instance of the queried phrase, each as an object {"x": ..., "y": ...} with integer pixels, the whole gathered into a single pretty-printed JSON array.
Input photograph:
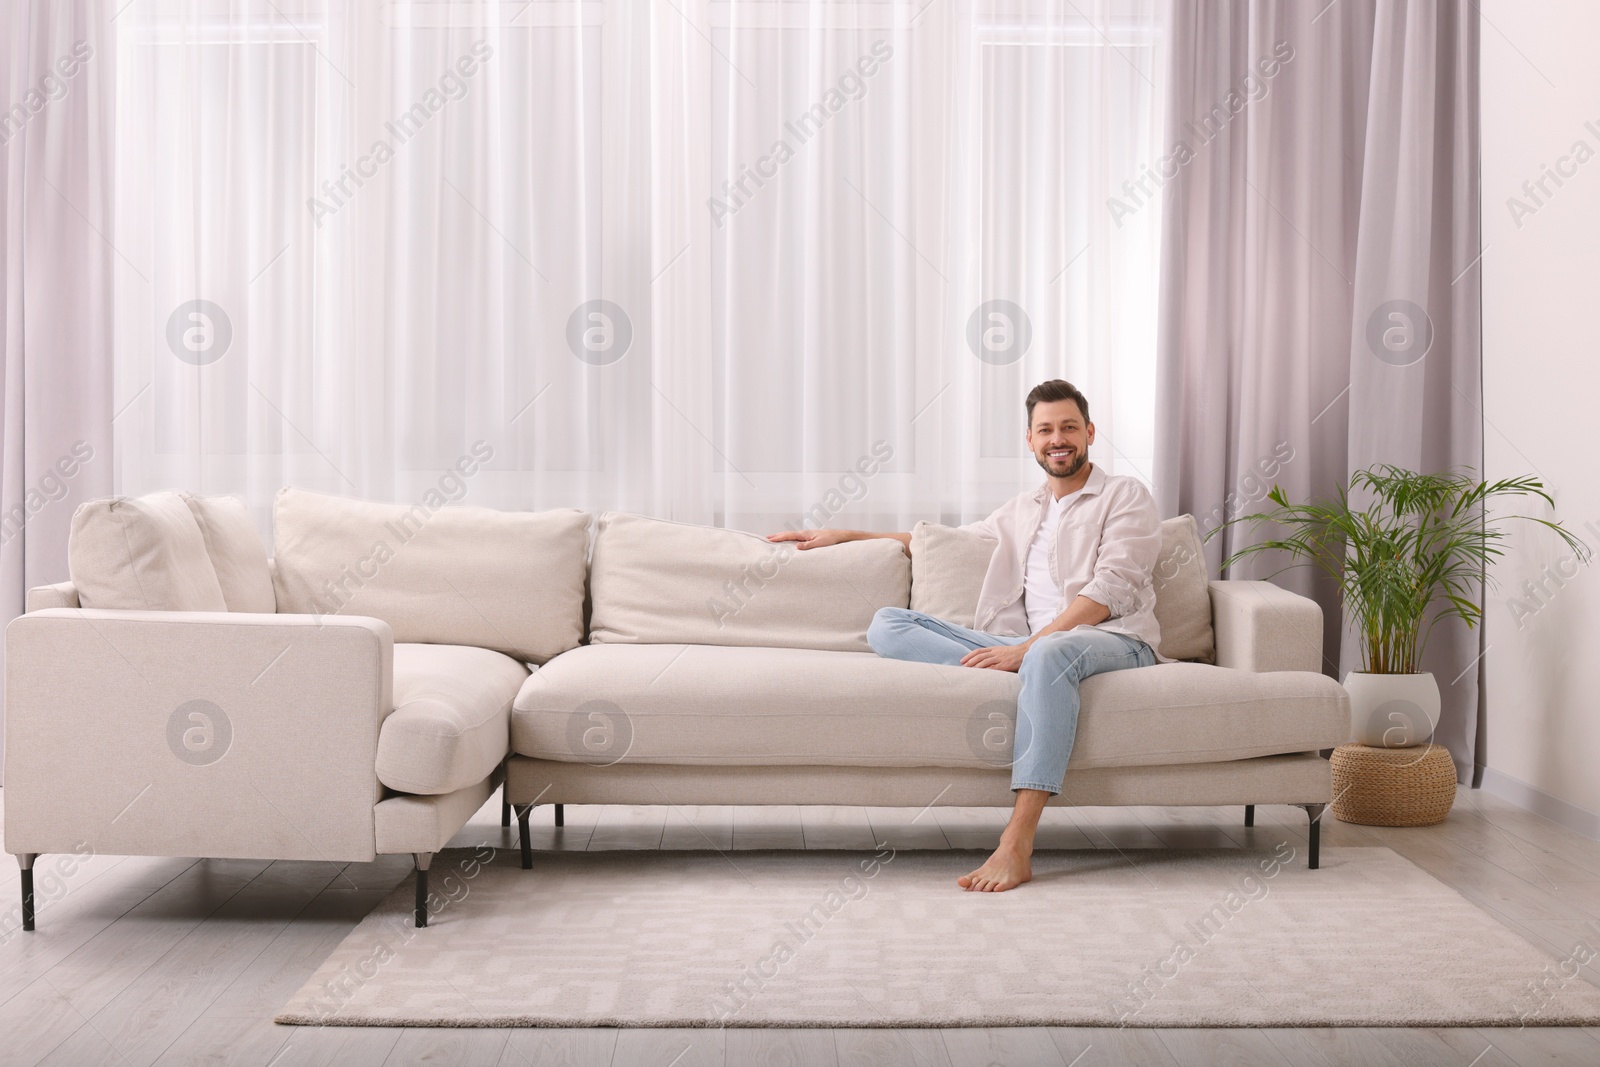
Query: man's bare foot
[{"x": 1007, "y": 868}]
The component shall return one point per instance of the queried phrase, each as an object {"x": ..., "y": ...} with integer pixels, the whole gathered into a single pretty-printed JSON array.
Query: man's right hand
[
  {"x": 813, "y": 538},
  {"x": 824, "y": 538}
]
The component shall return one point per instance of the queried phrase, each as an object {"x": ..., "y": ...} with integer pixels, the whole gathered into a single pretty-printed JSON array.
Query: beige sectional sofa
[{"x": 365, "y": 689}]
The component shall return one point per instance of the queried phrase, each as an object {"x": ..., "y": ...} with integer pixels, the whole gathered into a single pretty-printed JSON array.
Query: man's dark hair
[{"x": 1053, "y": 390}]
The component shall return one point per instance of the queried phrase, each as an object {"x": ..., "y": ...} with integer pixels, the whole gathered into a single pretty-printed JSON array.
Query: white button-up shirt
[{"x": 1106, "y": 545}]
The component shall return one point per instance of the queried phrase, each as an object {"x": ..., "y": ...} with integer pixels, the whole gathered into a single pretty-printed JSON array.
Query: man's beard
[{"x": 1073, "y": 465}]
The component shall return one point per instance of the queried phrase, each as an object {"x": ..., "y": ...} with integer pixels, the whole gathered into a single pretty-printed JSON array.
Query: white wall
[{"x": 1541, "y": 292}]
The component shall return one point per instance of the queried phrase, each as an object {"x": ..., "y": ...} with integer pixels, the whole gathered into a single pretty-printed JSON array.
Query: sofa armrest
[
  {"x": 1261, "y": 627},
  {"x": 59, "y": 595},
  {"x": 215, "y": 734}
]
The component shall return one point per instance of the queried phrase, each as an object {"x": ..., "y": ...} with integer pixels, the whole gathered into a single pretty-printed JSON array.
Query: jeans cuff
[{"x": 1053, "y": 790}]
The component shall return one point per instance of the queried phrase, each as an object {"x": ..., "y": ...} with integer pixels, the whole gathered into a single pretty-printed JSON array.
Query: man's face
[{"x": 1060, "y": 438}]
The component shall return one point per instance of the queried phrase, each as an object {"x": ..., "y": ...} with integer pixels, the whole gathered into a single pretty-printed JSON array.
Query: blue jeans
[{"x": 1047, "y": 706}]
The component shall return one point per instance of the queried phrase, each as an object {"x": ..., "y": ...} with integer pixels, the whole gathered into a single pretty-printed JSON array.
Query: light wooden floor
[{"x": 141, "y": 961}]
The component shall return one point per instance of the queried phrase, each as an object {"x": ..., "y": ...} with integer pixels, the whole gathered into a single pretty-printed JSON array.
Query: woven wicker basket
[{"x": 1393, "y": 786}]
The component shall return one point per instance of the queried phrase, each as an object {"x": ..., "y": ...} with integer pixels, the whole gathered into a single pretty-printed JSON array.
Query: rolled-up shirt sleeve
[{"x": 1130, "y": 543}]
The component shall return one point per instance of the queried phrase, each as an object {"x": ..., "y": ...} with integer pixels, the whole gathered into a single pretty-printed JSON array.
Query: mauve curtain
[
  {"x": 1320, "y": 302},
  {"x": 56, "y": 274}
]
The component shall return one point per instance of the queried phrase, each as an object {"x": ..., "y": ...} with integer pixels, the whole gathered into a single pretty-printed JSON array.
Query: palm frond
[{"x": 1415, "y": 553}]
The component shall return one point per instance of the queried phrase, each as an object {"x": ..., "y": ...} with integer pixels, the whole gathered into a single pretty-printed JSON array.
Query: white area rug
[{"x": 829, "y": 939}]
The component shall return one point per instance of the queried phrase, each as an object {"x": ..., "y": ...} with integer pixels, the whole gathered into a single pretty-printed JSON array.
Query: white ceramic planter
[{"x": 1392, "y": 710}]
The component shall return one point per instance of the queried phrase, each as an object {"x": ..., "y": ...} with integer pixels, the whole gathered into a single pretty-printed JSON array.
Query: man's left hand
[{"x": 996, "y": 657}]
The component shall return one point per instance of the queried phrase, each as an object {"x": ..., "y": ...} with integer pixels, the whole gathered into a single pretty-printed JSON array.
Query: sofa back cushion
[
  {"x": 658, "y": 582},
  {"x": 141, "y": 553},
  {"x": 948, "y": 565},
  {"x": 1183, "y": 593},
  {"x": 511, "y": 581},
  {"x": 237, "y": 552}
]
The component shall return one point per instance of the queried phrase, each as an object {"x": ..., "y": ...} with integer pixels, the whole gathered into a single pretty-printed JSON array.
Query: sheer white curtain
[{"x": 722, "y": 261}]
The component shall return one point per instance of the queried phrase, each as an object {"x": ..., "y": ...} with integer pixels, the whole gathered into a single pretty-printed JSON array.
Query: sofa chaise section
[
  {"x": 194, "y": 733},
  {"x": 246, "y": 736},
  {"x": 184, "y": 721}
]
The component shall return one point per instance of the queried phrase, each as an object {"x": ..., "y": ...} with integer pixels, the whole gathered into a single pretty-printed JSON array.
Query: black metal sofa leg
[
  {"x": 1249, "y": 814},
  {"x": 26, "y": 862},
  {"x": 561, "y": 815},
  {"x": 1315, "y": 811},
  {"x": 525, "y": 835},
  {"x": 424, "y": 861}
]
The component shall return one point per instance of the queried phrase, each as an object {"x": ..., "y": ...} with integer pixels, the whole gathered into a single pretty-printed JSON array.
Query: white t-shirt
[{"x": 1041, "y": 596}]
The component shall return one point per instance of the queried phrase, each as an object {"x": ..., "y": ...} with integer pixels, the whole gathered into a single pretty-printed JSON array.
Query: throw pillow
[
  {"x": 238, "y": 554},
  {"x": 1183, "y": 593},
  {"x": 947, "y": 569},
  {"x": 143, "y": 554}
]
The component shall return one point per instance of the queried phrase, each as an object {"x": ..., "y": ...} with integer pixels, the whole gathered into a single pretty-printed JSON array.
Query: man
[{"x": 1068, "y": 594}]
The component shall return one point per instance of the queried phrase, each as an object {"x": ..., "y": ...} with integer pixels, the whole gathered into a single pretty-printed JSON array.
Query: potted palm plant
[{"x": 1405, "y": 561}]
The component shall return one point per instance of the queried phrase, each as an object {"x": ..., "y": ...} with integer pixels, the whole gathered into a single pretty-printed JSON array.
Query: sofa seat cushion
[
  {"x": 452, "y": 706},
  {"x": 722, "y": 706}
]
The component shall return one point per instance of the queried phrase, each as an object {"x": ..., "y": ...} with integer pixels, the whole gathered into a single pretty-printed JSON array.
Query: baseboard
[{"x": 1536, "y": 800}]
